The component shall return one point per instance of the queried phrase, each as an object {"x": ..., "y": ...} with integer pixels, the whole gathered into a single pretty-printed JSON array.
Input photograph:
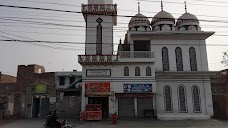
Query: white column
[{"x": 136, "y": 107}]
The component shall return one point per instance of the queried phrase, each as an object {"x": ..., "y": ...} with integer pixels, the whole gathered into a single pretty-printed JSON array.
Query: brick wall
[
  {"x": 219, "y": 86},
  {"x": 27, "y": 77},
  {"x": 8, "y": 79}
]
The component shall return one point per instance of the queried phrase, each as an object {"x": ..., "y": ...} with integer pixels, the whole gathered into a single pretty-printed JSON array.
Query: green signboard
[{"x": 40, "y": 88}]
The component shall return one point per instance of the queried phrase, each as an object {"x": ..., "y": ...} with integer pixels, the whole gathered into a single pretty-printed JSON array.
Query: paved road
[{"x": 37, "y": 123}]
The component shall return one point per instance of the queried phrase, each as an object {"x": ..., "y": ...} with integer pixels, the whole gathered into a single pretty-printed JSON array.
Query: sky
[{"x": 25, "y": 24}]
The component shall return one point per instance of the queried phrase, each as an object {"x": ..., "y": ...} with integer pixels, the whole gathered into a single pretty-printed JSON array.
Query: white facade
[
  {"x": 66, "y": 79},
  {"x": 185, "y": 72},
  {"x": 91, "y": 34}
]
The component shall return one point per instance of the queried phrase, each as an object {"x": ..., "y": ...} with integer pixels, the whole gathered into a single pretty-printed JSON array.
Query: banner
[
  {"x": 97, "y": 87},
  {"x": 137, "y": 88}
]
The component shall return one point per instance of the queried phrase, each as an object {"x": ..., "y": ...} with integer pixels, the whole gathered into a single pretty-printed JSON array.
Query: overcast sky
[{"x": 27, "y": 24}]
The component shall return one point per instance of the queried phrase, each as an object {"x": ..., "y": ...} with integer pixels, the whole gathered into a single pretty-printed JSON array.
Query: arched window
[
  {"x": 137, "y": 71},
  {"x": 126, "y": 71},
  {"x": 99, "y": 37},
  {"x": 168, "y": 99},
  {"x": 182, "y": 99},
  {"x": 165, "y": 59},
  {"x": 193, "y": 61},
  {"x": 196, "y": 99},
  {"x": 179, "y": 60},
  {"x": 148, "y": 71}
]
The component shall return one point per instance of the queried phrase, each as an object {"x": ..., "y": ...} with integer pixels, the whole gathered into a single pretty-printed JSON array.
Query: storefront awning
[
  {"x": 134, "y": 94},
  {"x": 92, "y": 94}
]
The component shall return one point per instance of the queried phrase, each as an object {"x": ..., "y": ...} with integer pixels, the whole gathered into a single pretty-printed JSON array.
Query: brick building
[
  {"x": 7, "y": 85},
  {"x": 31, "y": 91},
  {"x": 7, "y": 78},
  {"x": 219, "y": 85}
]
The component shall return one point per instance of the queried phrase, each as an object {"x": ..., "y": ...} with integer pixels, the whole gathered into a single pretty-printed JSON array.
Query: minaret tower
[{"x": 100, "y": 17}]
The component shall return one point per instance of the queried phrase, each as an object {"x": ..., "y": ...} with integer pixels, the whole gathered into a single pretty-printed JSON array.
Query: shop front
[
  {"x": 137, "y": 101},
  {"x": 98, "y": 94}
]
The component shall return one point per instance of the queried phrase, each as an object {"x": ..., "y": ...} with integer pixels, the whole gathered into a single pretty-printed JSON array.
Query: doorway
[
  {"x": 40, "y": 107},
  {"x": 101, "y": 100}
]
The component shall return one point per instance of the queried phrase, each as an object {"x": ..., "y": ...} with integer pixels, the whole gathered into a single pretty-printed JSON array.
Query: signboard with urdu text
[
  {"x": 137, "y": 88},
  {"x": 98, "y": 72},
  {"x": 99, "y": 88}
]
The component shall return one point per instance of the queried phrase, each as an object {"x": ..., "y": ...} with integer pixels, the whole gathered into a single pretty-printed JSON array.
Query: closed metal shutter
[
  {"x": 144, "y": 104},
  {"x": 126, "y": 107}
]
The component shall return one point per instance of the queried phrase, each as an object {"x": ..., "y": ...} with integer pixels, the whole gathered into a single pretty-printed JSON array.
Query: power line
[
  {"x": 61, "y": 15},
  {"x": 66, "y": 42},
  {"x": 41, "y": 45},
  {"x": 26, "y": 38},
  {"x": 210, "y": 1},
  {"x": 136, "y": 10},
  {"x": 57, "y": 10},
  {"x": 52, "y": 19},
  {"x": 171, "y": 2},
  {"x": 51, "y": 3}
]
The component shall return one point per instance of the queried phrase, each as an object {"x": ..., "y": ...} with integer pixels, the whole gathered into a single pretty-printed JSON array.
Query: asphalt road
[{"x": 38, "y": 123}]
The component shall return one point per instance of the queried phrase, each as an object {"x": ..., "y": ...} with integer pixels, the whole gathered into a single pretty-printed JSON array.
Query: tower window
[
  {"x": 179, "y": 59},
  {"x": 182, "y": 99},
  {"x": 168, "y": 99},
  {"x": 196, "y": 99},
  {"x": 193, "y": 61},
  {"x": 148, "y": 71},
  {"x": 99, "y": 37},
  {"x": 137, "y": 71},
  {"x": 126, "y": 71},
  {"x": 165, "y": 59}
]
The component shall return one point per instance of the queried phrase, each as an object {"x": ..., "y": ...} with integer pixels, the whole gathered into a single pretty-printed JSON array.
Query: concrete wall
[
  {"x": 107, "y": 34},
  {"x": 205, "y": 97},
  {"x": 171, "y": 45},
  {"x": 67, "y": 75},
  {"x": 117, "y": 80},
  {"x": 202, "y": 64},
  {"x": 70, "y": 107}
]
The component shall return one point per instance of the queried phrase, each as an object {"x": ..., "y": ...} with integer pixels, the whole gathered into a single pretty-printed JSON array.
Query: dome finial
[
  {"x": 161, "y": 5},
  {"x": 185, "y": 3},
  {"x": 138, "y": 7}
]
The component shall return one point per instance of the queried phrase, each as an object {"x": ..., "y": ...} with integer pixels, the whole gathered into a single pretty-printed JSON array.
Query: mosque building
[{"x": 159, "y": 71}]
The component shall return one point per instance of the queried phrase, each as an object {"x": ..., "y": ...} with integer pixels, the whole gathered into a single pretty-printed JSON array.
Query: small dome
[
  {"x": 139, "y": 20},
  {"x": 187, "y": 19},
  {"x": 162, "y": 16}
]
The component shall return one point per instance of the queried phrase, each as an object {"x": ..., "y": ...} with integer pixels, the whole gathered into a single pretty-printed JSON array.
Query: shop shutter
[
  {"x": 126, "y": 107},
  {"x": 144, "y": 104}
]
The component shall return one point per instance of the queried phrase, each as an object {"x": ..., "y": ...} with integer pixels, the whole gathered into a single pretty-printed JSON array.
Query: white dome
[
  {"x": 187, "y": 19},
  {"x": 139, "y": 20},
  {"x": 163, "y": 17}
]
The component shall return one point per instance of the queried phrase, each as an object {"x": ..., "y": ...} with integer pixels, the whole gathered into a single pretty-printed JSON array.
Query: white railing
[
  {"x": 97, "y": 58},
  {"x": 136, "y": 54},
  {"x": 97, "y": 7}
]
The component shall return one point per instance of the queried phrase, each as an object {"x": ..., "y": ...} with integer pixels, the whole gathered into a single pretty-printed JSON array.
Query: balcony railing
[
  {"x": 136, "y": 54},
  {"x": 96, "y": 58},
  {"x": 99, "y": 8}
]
